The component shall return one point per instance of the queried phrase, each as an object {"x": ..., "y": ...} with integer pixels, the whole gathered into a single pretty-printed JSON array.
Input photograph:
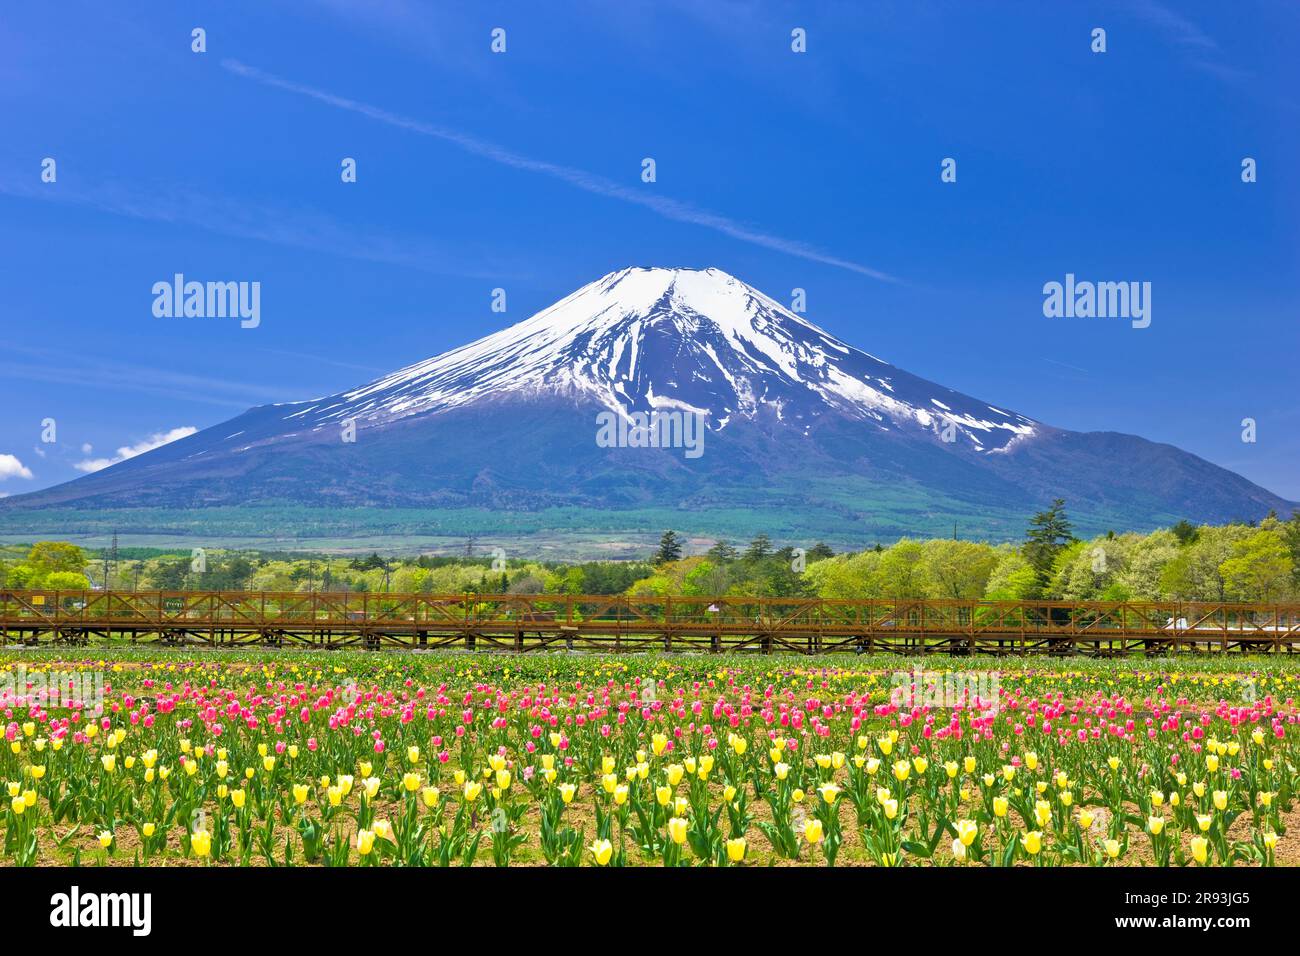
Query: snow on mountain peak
[{"x": 693, "y": 339}]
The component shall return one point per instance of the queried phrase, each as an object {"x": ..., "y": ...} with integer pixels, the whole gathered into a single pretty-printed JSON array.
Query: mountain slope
[{"x": 804, "y": 431}]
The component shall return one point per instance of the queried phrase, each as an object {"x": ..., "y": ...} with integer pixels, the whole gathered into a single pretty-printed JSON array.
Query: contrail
[{"x": 590, "y": 182}]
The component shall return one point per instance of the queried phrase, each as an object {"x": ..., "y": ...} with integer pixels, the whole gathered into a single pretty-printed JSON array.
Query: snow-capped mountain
[
  {"x": 690, "y": 339},
  {"x": 808, "y": 438}
]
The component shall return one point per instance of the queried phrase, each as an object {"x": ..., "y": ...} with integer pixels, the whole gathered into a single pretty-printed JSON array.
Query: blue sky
[{"x": 522, "y": 171}]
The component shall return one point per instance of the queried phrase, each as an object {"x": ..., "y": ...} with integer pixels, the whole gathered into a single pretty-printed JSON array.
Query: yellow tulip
[
  {"x": 663, "y": 795},
  {"x": 1042, "y": 812},
  {"x": 969, "y": 764},
  {"x": 201, "y": 842},
  {"x": 1032, "y": 842},
  {"x": 430, "y": 796},
  {"x": 1221, "y": 799},
  {"x": 812, "y": 831},
  {"x": 300, "y": 793},
  {"x": 365, "y": 842},
  {"x": 1200, "y": 849},
  {"x": 1155, "y": 825},
  {"x": 620, "y": 794},
  {"x": 413, "y": 754},
  {"x": 829, "y": 792},
  {"x": 105, "y": 837},
  {"x": 148, "y": 829},
  {"x": 503, "y": 780},
  {"x": 1000, "y": 806},
  {"x": 602, "y": 850},
  {"x": 677, "y": 830},
  {"x": 967, "y": 830},
  {"x": 736, "y": 849},
  {"x": 1112, "y": 848}
]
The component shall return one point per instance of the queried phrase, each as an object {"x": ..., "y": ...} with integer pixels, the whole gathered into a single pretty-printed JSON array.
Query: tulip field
[{"x": 353, "y": 759}]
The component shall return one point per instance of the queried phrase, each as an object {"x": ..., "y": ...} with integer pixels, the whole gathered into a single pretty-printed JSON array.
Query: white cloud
[
  {"x": 11, "y": 467},
  {"x": 87, "y": 448},
  {"x": 139, "y": 448}
]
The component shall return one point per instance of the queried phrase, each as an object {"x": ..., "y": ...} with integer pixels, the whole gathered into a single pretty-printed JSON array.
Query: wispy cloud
[
  {"x": 265, "y": 222},
  {"x": 666, "y": 207},
  {"x": 1203, "y": 50},
  {"x": 157, "y": 440},
  {"x": 1173, "y": 24},
  {"x": 59, "y": 367}
]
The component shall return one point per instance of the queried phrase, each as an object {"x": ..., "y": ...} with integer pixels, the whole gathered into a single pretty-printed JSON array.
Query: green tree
[
  {"x": 1185, "y": 532},
  {"x": 670, "y": 548},
  {"x": 47, "y": 557},
  {"x": 722, "y": 552},
  {"x": 65, "y": 581},
  {"x": 899, "y": 573},
  {"x": 1260, "y": 567},
  {"x": 956, "y": 569},
  {"x": 759, "y": 548},
  {"x": 820, "y": 552},
  {"x": 1049, "y": 531}
]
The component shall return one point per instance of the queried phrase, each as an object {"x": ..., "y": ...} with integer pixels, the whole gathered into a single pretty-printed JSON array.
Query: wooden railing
[{"x": 619, "y": 622}]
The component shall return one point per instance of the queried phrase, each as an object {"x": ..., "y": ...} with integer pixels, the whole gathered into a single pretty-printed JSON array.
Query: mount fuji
[{"x": 807, "y": 438}]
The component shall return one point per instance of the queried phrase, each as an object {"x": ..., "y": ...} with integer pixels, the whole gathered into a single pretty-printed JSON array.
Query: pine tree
[
  {"x": 670, "y": 548},
  {"x": 722, "y": 552},
  {"x": 759, "y": 548},
  {"x": 1049, "y": 531}
]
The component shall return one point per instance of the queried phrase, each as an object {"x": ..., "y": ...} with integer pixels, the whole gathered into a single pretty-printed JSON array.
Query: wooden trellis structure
[{"x": 531, "y": 623}]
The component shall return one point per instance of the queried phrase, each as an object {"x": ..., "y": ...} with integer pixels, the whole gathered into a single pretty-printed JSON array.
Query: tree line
[{"x": 1233, "y": 562}]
